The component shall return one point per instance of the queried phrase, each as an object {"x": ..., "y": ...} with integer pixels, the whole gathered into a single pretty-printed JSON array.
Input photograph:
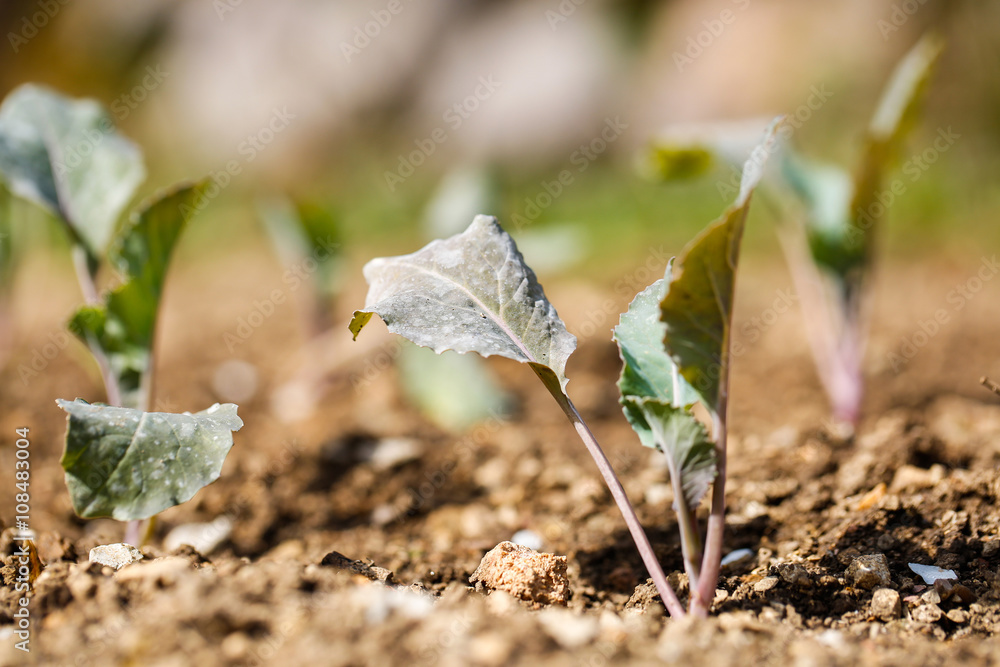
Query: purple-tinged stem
[
  {"x": 711, "y": 563},
  {"x": 673, "y": 605}
]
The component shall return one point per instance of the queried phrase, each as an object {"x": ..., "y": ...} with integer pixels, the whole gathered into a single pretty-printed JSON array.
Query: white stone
[{"x": 115, "y": 556}]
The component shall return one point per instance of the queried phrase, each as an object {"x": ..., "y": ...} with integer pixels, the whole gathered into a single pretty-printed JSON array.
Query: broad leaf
[
  {"x": 455, "y": 391},
  {"x": 123, "y": 327},
  {"x": 470, "y": 293},
  {"x": 842, "y": 212},
  {"x": 647, "y": 369},
  {"x": 126, "y": 464},
  {"x": 66, "y": 156},
  {"x": 895, "y": 115},
  {"x": 690, "y": 454},
  {"x": 697, "y": 309}
]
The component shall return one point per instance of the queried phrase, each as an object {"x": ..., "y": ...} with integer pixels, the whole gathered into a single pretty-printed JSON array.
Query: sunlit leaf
[
  {"x": 469, "y": 293},
  {"x": 67, "y": 156},
  {"x": 648, "y": 372},
  {"x": 126, "y": 464},
  {"x": 690, "y": 454},
  {"x": 697, "y": 309},
  {"x": 894, "y": 117}
]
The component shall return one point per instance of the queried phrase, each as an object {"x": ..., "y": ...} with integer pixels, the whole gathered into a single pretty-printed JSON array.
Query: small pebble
[
  {"x": 388, "y": 453},
  {"x": 795, "y": 574},
  {"x": 991, "y": 548},
  {"x": 524, "y": 573},
  {"x": 765, "y": 584},
  {"x": 204, "y": 537},
  {"x": 886, "y": 604},
  {"x": 869, "y": 572},
  {"x": 115, "y": 556},
  {"x": 957, "y": 616},
  {"x": 927, "y": 613},
  {"x": 930, "y": 596}
]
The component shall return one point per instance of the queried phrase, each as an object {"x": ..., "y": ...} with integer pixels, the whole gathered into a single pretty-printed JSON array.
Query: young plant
[
  {"x": 674, "y": 343},
  {"x": 474, "y": 293},
  {"x": 831, "y": 247},
  {"x": 121, "y": 460},
  {"x": 829, "y": 238}
]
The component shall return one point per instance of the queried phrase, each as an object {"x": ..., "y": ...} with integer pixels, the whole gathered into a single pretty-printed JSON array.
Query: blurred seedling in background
[
  {"x": 829, "y": 219},
  {"x": 121, "y": 460},
  {"x": 473, "y": 292},
  {"x": 455, "y": 392}
]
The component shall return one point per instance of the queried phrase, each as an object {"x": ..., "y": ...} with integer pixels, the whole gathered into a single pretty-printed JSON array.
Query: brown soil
[{"x": 917, "y": 483}]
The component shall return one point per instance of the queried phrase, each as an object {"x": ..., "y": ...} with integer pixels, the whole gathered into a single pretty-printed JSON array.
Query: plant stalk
[
  {"x": 691, "y": 545},
  {"x": 673, "y": 605},
  {"x": 990, "y": 384},
  {"x": 89, "y": 289},
  {"x": 711, "y": 563}
]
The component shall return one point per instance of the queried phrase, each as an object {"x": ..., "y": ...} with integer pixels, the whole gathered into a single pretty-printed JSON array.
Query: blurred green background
[{"x": 515, "y": 89}]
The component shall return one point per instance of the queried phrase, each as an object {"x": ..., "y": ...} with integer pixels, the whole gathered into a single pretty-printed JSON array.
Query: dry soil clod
[{"x": 534, "y": 577}]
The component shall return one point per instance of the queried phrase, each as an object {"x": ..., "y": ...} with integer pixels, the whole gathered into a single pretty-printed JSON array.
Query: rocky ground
[{"x": 350, "y": 537}]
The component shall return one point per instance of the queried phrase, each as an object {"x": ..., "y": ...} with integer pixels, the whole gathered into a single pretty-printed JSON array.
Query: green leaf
[
  {"x": 123, "y": 327},
  {"x": 894, "y": 117},
  {"x": 647, "y": 369},
  {"x": 470, "y": 293},
  {"x": 671, "y": 163},
  {"x": 454, "y": 391},
  {"x": 697, "y": 309},
  {"x": 127, "y": 465},
  {"x": 690, "y": 454},
  {"x": 825, "y": 191},
  {"x": 306, "y": 235},
  {"x": 66, "y": 156},
  {"x": 841, "y": 211}
]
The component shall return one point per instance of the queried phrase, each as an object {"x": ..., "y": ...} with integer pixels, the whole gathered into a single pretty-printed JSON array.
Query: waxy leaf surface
[
  {"x": 648, "y": 372},
  {"x": 66, "y": 156},
  {"x": 690, "y": 454},
  {"x": 126, "y": 464},
  {"x": 470, "y": 293}
]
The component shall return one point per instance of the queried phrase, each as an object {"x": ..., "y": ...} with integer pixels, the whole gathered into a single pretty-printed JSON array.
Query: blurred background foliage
[{"x": 193, "y": 82}]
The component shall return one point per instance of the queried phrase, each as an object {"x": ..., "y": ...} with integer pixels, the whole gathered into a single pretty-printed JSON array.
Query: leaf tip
[{"x": 360, "y": 319}]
